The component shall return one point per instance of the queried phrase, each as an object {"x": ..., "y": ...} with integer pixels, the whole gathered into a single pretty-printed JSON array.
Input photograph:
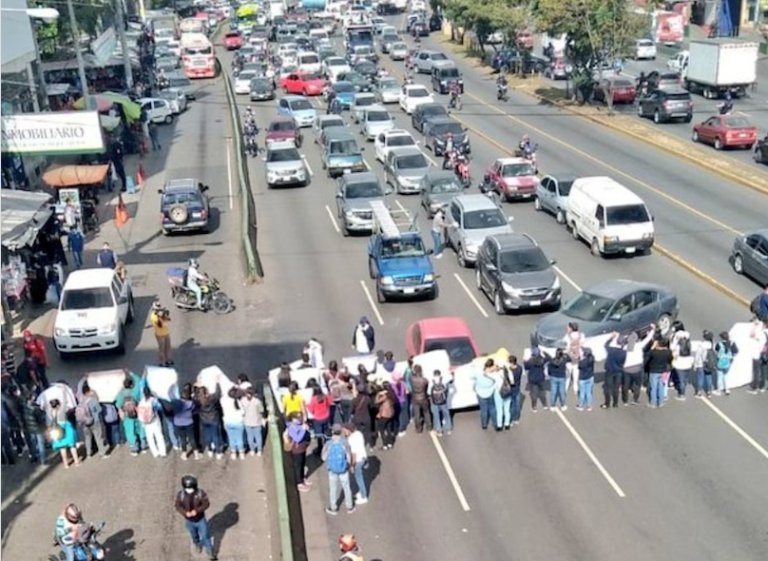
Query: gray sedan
[
  {"x": 438, "y": 188},
  {"x": 355, "y": 193},
  {"x": 404, "y": 169},
  {"x": 750, "y": 255}
]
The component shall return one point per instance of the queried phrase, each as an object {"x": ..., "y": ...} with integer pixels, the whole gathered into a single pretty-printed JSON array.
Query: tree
[
  {"x": 484, "y": 17},
  {"x": 93, "y": 16}
]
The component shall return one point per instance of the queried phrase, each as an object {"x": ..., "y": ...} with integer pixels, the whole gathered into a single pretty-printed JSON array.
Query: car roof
[
  {"x": 434, "y": 174},
  {"x": 183, "y": 184},
  {"x": 337, "y": 133},
  {"x": 360, "y": 177},
  {"x": 510, "y": 161},
  {"x": 281, "y": 145},
  {"x": 443, "y": 121},
  {"x": 475, "y": 202},
  {"x": 415, "y": 87},
  {"x": 375, "y": 107},
  {"x": 281, "y": 120},
  {"x": 445, "y": 327},
  {"x": 364, "y": 94},
  {"x": 609, "y": 191},
  {"x": 564, "y": 176},
  {"x": 514, "y": 241},
  {"x": 323, "y": 118},
  {"x": 405, "y": 151},
  {"x": 615, "y": 288},
  {"x": 397, "y": 132},
  {"x": 89, "y": 278}
]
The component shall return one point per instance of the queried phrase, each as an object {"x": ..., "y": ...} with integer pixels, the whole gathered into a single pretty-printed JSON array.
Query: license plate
[
  {"x": 742, "y": 135},
  {"x": 630, "y": 250},
  {"x": 535, "y": 302},
  {"x": 409, "y": 291}
]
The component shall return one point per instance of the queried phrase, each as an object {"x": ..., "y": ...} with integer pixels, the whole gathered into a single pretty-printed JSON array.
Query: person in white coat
[
  {"x": 682, "y": 363},
  {"x": 148, "y": 412}
]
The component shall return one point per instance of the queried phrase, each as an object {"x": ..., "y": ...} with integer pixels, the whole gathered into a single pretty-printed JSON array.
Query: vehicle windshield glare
[
  {"x": 283, "y": 155},
  {"x": 282, "y": 126},
  {"x": 299, "y": 105},
  {"x": 445, "y": 128},
  {"x": 411, "y": 161},
  {"x": 406, "y": 247},
  {"x": 526, "y": 261},
  {"x": 401, "y": 140},
  {"x": 588, "y": 307},
  {"x": 87, "y": 298},
  {"x": 735, "y": 122},
  {"x": 418, "y": 92},
  {"x": 481, "y": 219},
  {"x": 626, "y": 214},
  {"x": 343, "y": 87},
  {"x": 459, "y": 349},
  {"x": 377, "y": 116},
  {"x": 344, "y": 148},
  {"x": 445, "y": 185},
  {"x": 517, "y": 170},
  {"x": 363, "y": 191}
]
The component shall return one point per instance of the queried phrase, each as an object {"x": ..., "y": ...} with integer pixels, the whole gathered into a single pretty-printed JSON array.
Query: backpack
[
  {"x": 439, "y": 394},
  {"x": 129, "y": 407},
  {"x": 754, "y": 305},
  {"x": 685, "y": 347},
  {"x": 337, "y": 461},
  {"x": 505, "y": 390},
  {"x": 83, "y": 414},
  {"x": 724, "y": 356},
  {"x": 710, "y": 361},
  {"x": 110, "y": 413},
  {"x": 145, "y": 411}
]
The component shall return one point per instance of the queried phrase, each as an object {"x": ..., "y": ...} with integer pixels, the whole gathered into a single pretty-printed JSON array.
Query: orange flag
[{"x": 121, "y": 212}]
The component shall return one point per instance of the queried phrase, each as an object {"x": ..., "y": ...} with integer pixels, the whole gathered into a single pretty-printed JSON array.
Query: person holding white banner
[{"x": 148, "y": 412}]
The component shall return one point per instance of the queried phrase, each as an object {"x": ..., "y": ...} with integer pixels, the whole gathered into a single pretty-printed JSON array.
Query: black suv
[
  {"x": 665, "y": 105},
  {"x": 426, "y": 111},
  {"x": 184, "y": 206}
]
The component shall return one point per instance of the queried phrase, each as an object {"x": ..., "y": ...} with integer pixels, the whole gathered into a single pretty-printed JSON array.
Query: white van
[
  {"x": 307, "y": 61},
  {"x": 609, "y": 217}
]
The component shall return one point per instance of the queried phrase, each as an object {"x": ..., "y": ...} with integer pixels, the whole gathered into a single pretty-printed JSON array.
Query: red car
[
  {"x": 282, "y": 129},
  {"x": 303, "y": 83},
  {"x": 449, "y": 334},
  {"x": 511, "y": 178},
  {"x": 622, "y": 89},
  {"x": 233, "y": 40},
  {"x": 726, "y": 130},
  {"x": 525, "y": 39}
]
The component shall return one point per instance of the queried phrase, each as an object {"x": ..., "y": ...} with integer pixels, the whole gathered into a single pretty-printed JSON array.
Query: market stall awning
[
  {"x": 102, "y": 103},
  {"x": 73, "y": 176},
  {"x": 131, "y": 109},
  {"x": 23, "y": 214}
]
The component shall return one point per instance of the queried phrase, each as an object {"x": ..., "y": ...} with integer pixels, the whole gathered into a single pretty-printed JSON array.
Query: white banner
[
  {"x": 104, "y": 45},
  {"x": 76, "y": 132}
]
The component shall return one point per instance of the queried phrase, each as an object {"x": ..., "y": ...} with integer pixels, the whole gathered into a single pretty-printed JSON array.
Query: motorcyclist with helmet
[
  {"x": 69, "y": 525},
  {"x": 193, "y": 279},
  {"x": 250, "y": 130},
  {"x": 192, "y": 502},
  {"x": 726, "y": 106},
  {"x": 349, "y": 548},
  {"x": 454, "y": 89},
  {"x": 448, "y": 151},
  {"x": 501, "y": 86}
]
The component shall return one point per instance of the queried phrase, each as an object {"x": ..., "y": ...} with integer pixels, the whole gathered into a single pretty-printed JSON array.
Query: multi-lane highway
[{"x": 679, "y": 483}]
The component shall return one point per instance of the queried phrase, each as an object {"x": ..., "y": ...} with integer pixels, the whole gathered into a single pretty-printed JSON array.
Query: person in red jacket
[{"x": 36, "y": 346}]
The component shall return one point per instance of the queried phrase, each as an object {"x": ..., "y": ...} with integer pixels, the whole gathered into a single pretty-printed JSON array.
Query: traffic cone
[{"x": 121, "y": 211}]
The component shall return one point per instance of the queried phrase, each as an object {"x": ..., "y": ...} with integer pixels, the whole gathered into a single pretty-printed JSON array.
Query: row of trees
[{"x": 596, "y": 30}]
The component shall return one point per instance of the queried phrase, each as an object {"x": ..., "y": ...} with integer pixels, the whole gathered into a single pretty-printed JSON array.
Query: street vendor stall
[{"x": 77, "y": 198}]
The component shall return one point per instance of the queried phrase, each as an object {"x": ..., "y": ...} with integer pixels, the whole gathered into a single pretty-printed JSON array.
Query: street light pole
[
  {"x": 80, "y": 63},
  {"x": 120, "y": 24}
]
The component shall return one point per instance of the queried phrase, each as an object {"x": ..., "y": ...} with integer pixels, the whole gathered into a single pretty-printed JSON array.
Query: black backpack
[
  {"x": 439, "y": 394},
  {"x": 685, "y": 347},
  {"x": 506, "y": 386},
  {"x": 710, "y": 361}
]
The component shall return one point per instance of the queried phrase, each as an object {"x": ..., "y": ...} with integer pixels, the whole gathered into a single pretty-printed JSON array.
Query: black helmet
[{"x": 189, "y": 482}]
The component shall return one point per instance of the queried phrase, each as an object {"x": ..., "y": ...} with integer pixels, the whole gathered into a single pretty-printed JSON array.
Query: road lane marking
[
  {"x": 229, "y": 174},
  {"x": 591, "y": 455},
  {"x": 566, "y": 277},
  {"x": 306, "y": 163},
  {"x": 400, "y": 205},
  {"x": 450, "y": 472},
  {"x": 333, "y": 219},
  {"x": 372, "y": 303},
  {"x": 471, "y": 296},
  {"x": 741, "y": 432}
]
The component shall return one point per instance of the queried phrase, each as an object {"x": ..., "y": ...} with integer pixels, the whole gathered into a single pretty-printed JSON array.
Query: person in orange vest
[{"x": 36, "y": 347}]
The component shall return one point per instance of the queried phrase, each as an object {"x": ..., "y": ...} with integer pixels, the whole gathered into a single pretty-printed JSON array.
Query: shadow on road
[{"x": 222, "y": 521}]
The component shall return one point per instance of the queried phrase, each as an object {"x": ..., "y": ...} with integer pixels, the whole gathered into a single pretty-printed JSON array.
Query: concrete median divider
[{"x": 249, "y": 224}]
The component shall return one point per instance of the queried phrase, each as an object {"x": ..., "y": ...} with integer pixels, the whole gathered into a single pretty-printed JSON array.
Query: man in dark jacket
[
  {"x": 191, "y": 503},
  {"x": 420, "y": 400},
  {"x": 614, "y": 369}
]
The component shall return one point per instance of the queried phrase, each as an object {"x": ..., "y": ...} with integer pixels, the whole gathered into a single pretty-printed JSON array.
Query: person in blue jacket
[{"x": 127, "y": 403}]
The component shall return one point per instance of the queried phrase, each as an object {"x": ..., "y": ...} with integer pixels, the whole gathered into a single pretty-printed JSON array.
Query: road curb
[{"x": 281, "y": 489}]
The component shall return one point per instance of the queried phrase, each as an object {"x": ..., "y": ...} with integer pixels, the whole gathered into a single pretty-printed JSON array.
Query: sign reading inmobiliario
[{"x": 52, "y": 133}]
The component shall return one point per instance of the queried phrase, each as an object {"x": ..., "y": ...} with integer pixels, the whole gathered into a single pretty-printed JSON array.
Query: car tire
[
  {"x": 299, "y": 142},
  {"x": 536, "y": 204},
  {"x": 560, "y": 216},
  {"x": 574, "y": 231},
  {"x": 370, "y": 268},
  {"x": 718, "y": 143},
  {"x": 657, "y": 117},
  {"x": 738, "y": 264},
  {"x": 64, "y": 357},
  {"x": 461, "y": 258},
  {"x": 381, "y": 298},
  {"x": 695, "y": 136},
  {"x": 168, "y": 119},
  {"x": 434, "y": 293},
  {"x": 131, "y": 315},
  {"x": 478, "y": 280},
  {"x": 594, "y": 248},
  {"x": 757, "y": 156},
  {"x": 344, "y": 230},
  {"x": 498, "y": 305},
  {"x": 640, "y": 111},
  {"x": 687, "y": 119}
]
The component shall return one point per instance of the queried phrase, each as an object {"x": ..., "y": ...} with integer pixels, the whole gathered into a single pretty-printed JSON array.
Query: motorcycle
[
  {"x": 529, "y": 154},
  {"x": 184, "y": 298},
  {"x": 461, "y": 169},
  {"x": 455, "y": 102},
  {"x": 725, "y": 107},
  {"x": 251, "y": 147},
  {"x": 501, "y": 92},
  {"x": 88, "y": 547}
]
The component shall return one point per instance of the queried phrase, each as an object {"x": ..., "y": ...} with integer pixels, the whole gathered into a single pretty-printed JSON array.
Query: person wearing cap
[
  {"x": 161, "y": 323},
  {"x": 364, "y": 337},
  {"x": 35, "y": 346},
  {"x": 615, "y": 357},
  {"x": 107, "y": 257},
  {"x": 350, "y": 551}
]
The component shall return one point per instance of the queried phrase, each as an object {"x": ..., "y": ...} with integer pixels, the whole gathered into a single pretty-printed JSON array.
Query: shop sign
[{"x": 52, "y": 133}]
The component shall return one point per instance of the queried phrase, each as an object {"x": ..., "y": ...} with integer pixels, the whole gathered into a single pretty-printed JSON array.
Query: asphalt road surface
[{"x": 678, "y": 483}]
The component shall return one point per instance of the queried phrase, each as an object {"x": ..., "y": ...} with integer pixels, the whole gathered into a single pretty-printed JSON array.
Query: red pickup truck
[{"x": 511, "y": 178}]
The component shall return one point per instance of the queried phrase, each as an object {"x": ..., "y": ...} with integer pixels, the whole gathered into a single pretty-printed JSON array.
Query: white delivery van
[{"x": 609, "y": 217}]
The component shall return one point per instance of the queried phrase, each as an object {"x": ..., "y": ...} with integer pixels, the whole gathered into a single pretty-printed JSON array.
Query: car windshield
[
  {"x": 299, "y": 105},
  {"x": 282, "y": 126},
  {"x": 366, "y": 67},
  {"x": 736, "y": 122},
  {"x": 283, "y": 155},
  {"x": 418, "y": 92},
  {"x": 517, "y": 170},
  {"x": 449, "y": 73},
  {"x": 336, "y": 61},
  {"x": 344, "y": 87},
  {"x": 389, "y": 37},
  {"x": 261, "y": 83},
  {"x": 344, "y": 148},
  {"x": 565, "y": 187},
  {"x": 445, "y": 185},
  {"x": 523, "y": 261},
  {"x": 377, "y": 116},
  {"x": 246, "y": 76},
  {"x": 645, "y": 43},
  {"x": 362, "y": 51},
  {"x": 399, "y": 47},
  {"x": 179, "y": 82},
  {"x": 309, "y": 59},
  {"x": 481, "y": 219},
  {"x": 311, "y": 76},
  {"x": 626, "y": 214},
  {"x": 622, "y": 84},
  {"x": 445, "y": 128},
  {"x": 181, "y": 197},
  {"x": 365, "y": 100},
  {"x": 389, "y": 85},
  {"x": 355, "y": 77},
  {"x": 459, "y": 349},
  {"x": 87, "y": 298},
  {"x": 363, "y": 190},
  {"x": 438, "y": 56},
  {"x": 411, "y": 161},
  {"x": 406, "y": 247},
  {"x": 588, "y": 307},
  {"x": 331, "y": 123},
  {"x": 400, "y": 140}
]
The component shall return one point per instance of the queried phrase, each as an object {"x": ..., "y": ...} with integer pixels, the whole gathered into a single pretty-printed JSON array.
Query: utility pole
[
  {"x": 120, "y": 24},
  {"x": 89, "y": 101}
]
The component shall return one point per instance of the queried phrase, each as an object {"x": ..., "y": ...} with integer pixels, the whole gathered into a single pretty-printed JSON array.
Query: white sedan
[
  {"x": 645, "y": 49},
  {"x": 375, "y": 120},
  {"x": 387, "y": 141},
  {"x": 158, "y": 110},
  {"x": 243, "y": 82},
  {"x": 413, "y": 95},
  {"x": 335, "y": 65}
]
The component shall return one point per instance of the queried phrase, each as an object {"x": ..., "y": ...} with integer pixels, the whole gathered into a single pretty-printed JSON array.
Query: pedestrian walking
[
  {"x": 127, "y": 404},
  {"x": 293, "y": 402},
  {"x": 758, "y": 339},
  {"x": 253, "y": 420},
  {"x": 485, "y": 387},
  {"x": 117, "y": 161},
  {"x": 705, "y": 364},
  {"x": 682, "y": 361},
  {"x": 160, "y": 318},
  {"x": 726, "y": 350},
  {"x": 438, "y": 227},
  {"x": 364, "y": 337},
  {"x": 420, "y": 400},
  {"x": 586, "y": 379},
  {"x": 438, "y": 396},
  {"x": 615, "y": 357},
  {"x": 534, "y": 367},
  {"x": 361, "y": 412},
  {"x": 557, "y": 379},
  {"x": 296, "y": 439},
  {"x": 385, "y": 414},
  {"x": 184, "y": 422},
  {"x": 234, "y": 422},
  {"x": 33, "y": 420},
  {"x": 148, "y": 412},
  {"x": 90, "y": 420},
  {"x": 400, "y": 388},
  {"x": 319, "y": 408},
  {"x": 634, "y": 365},
  {"x": 35, "y": 345},
  {"x": 337, "y": 458},
  {"x": 75, "y": 245},
  {"x": 154, "y": 135},
  {"x": 574, "y": 342},
  {"x": 63, "y": 435},
  {"x": 359, "y": 458},
  {"x": 209, "y": 412},
  {"x": 191, "y": 503},
  {"x": 659, "y": 365},
  {"x": 106, "y": 257},
  {"x": 515, "y": 374}
]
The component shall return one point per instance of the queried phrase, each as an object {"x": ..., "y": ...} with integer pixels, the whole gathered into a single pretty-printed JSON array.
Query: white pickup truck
[{"x": 94, "y": 309}]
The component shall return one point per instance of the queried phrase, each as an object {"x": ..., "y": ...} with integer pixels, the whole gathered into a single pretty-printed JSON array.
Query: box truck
[{"x": 716, "y": 66}]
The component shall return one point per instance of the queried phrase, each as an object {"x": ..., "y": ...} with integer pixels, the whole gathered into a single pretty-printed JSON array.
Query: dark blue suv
[{"x": 184, "y": 206}]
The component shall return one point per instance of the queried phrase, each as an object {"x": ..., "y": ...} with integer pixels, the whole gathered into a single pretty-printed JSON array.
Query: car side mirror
[
  {"x": 339, "y": 196},
  {"x": 553, "y": 261},
  {"x": 491, "y": 268},
  {"x": 204, "y": 188},
  {"x": 362, "y": 148},
  {"x": 510, "y": 218}
]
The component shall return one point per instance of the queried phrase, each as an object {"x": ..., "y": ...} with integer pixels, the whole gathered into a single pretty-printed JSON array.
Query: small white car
[
  {"x": 679, "y": 62},
  {"x": 308, "y": 61},
  {"x": 645, "y": 49},
  {"x": 387, "y": 141},
  {"x": 398, "y": 51},
  {"x": 413, "y": 95},
  {"x": 360, "y": 103},
  {"x": 158, "y": 110},
  {"x": 335, "y": 65},
  {"x": 290, "y": 57},
  {"x": 376, "y": 120},
  {"x": 176, "y": 98},
  {"x": 243, "y": 82}
]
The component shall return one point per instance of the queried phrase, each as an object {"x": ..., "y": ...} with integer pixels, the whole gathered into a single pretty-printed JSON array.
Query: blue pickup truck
[{"x": 401, "y": 266}]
